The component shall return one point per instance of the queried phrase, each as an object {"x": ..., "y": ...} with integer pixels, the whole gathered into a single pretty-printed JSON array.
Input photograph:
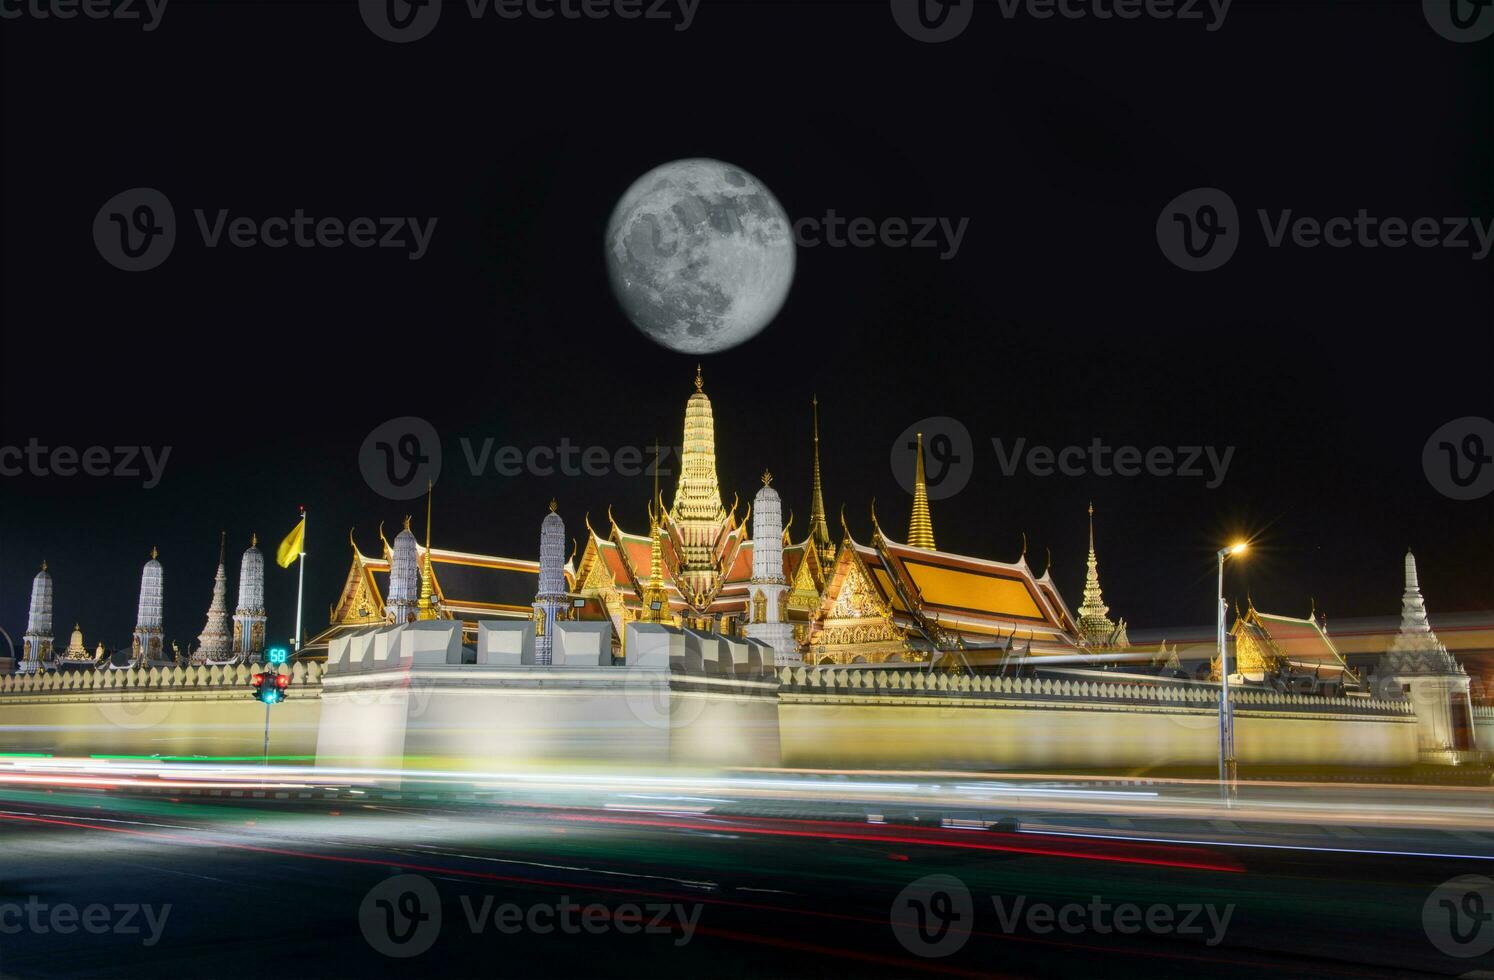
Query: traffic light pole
[{"x": 266, "y": 761}]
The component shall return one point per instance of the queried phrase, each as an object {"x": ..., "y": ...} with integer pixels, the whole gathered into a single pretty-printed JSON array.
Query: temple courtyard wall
[
  {"x": 161, "y": 711},
  {"x": 414, "y": 696},
  {"x": 847, "y": 718}
]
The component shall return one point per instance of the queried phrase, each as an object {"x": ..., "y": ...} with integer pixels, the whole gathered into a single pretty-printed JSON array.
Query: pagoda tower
[
  {"x": 403, "y": 603},
  {"x": 768, "y": 611},
  {"x": 654, "y": 598},
  {"x": 36, "y": 643},
  {"x": 215, "y": 642},
  {"x": 819, "y": 530},
  {"x": 1095, "y": 625},
  {"x": 249, "y": 617},
  {"x": 920, "y": 525},
  {"x": 148, "y": 645},
  {"x": 697, "y": 516},
  {"x": 1418, "y": 664},
  {"x": 550, "y": 602}
]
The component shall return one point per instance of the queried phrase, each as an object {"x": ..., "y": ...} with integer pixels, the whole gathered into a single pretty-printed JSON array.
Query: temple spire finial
[
  {"x": 554, "y": 505},
  {"x": 767, "y": 478},
  {"x": 427, "y": 609},
  {"x": 1094, "y": 616},
  {"x": 655, "y": 599},
  {"x": 699, "y": 382},
  {"x": 920, "y": 525},
  {"x": 819, "y": 529}
]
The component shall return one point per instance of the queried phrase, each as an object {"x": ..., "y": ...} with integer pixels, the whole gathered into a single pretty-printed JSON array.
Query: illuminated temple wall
[
  {"x": 688, "y": 699},
  {"x": 1483, "y": 727},
  {"x": 414, "y": 697},
  {"x": 847, "y": 718},
  {"x": 168, "y": 711}
]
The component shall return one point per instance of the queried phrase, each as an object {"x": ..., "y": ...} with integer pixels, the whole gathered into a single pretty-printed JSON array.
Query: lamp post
[{"x": 1227, "y": 770}]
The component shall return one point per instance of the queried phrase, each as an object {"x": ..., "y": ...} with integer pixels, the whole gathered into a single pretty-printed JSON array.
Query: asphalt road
[{"x": 112, "y": 884}]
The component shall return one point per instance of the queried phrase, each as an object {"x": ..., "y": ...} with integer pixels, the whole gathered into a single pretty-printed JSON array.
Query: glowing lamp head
[{"x": 1238, "y": 547}]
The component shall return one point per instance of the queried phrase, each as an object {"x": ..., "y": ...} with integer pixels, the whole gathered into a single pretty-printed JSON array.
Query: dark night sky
[{"x": 1059, "y": 320}]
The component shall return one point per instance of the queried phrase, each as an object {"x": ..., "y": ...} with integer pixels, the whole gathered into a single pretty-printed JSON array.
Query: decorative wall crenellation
[
  {"x": 304, "y": 676},
  {"x": 827, "y": 680}
]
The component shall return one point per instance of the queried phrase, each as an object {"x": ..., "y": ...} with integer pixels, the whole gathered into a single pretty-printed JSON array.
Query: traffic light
[{"x": 268, "y": 686}]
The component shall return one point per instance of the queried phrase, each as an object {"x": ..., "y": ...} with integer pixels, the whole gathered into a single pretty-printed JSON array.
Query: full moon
[{"x": 700, "y": 254}]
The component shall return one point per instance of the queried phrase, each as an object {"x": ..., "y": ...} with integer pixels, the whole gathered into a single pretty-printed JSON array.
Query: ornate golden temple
[{"x": 878, "y": 601}]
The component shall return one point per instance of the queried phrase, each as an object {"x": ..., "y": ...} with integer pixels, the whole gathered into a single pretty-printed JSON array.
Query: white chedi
[{"x": 767, "y": 610}]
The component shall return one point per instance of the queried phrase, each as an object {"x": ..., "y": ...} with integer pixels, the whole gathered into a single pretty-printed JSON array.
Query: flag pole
[{"x": 300, "y": 583}]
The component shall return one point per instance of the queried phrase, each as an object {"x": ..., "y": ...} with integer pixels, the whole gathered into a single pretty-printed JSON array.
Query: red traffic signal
[{"x": 268, "y": 686}]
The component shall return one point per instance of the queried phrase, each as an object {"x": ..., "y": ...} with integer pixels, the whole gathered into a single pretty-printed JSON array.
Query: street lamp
[{"x": 1226, "y": 713}]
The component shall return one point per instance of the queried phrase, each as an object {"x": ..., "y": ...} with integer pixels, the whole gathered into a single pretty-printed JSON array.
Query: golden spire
[
  {"x": 554, "y": 504},
  {"x": 920, "y": 526},
  {"x": 152, "y": 552},
  {"x": 699, "y": 384},
  {"x": 819, "y": 531},
  {"x": 655, "y": 599},
  {"x": 426, "y": 609},
  {"x": 44, "y": 564},
  {"x": 696, "y": 519},
  {"x": 253, "y": 540},
  {"x": 767, "y": 478},
  {"x": 1094, "y": 615},
  {"x": 407, "y": 522}
]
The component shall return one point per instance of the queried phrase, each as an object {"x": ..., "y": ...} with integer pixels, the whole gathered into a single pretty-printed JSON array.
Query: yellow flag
[{"x": 290, "y": 548}]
